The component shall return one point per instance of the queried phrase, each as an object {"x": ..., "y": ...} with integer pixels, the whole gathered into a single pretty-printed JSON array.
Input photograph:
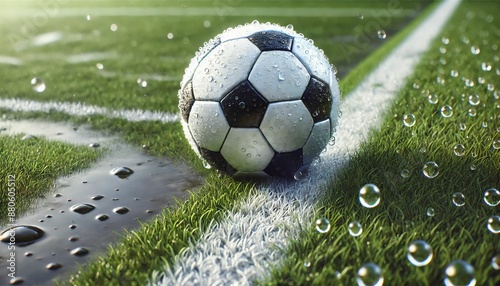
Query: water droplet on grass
[
  {"x": 495, "y": 262},
  {"x": 369, "y": 196},
  {"x": 494, "y": 224},
  {"x": 458, "y": 199},
  {"x": 322, "y": 225},
  {"x": 474, "y": 99},
  {"x": 446, "y": 111},
  {"x": 459, "y": 273},
  {"x": 381, "y": 34},
  {"x": 82, "y": 208},
  {"x": 122, "y": 172},
  {"x": 485, "y": 66},
  {"x": 354, "y": 228},
  {"x": 307, "y": 264},
  {"x": 459, "y": 150},
  {"x": 79, "y": 251},
  {"x": 409, "y": 120},
  {"x": 99, "y": 66},
  {"x": 121, "y": 210},
  {"x": 433, "y": 98},
  {"x": 496, "y": 144},
  {"x": 419, "y": 253},
  {"x": 370, "y": 274},
  {"x": 454, "y": 73},
  {"x": 37, "y": 84},
  {"x": 475, "y": 50},
  {"x": 430, "y": 212},
  {"x": 21, "y": 234},
  {"x": 142, "y": 82},
  {"x": 430, "y": 170},
  {"x": 492, "y": 197},
  {"x": 405, "y": 174},
  {"x": 445, "y": 40}
]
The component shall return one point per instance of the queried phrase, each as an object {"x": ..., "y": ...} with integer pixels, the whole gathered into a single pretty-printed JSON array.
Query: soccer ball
[{"x": 259, "y": 99}]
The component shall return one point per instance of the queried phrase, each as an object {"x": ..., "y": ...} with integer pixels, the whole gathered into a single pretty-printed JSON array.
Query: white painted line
[
  {"x": 218, "y": 9},
  {"x": 81, "y": 109},
  {"x": 252, "y": 238}
]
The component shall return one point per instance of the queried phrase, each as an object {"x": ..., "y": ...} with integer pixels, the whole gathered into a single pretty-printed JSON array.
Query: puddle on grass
[{"x": 89, "y": 210}]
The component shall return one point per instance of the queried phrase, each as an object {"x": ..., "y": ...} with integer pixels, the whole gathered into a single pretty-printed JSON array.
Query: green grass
[
  {"x": 34, "y": 165},
  {"x": 454, "y": 232}
]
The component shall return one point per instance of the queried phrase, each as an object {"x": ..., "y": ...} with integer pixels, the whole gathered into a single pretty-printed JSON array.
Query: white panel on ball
[
  {"x": 279, "y": 75},
  {"x": 313, "y": 58},
  {"x": 320, "y": 136},
  {"x": 226, "y": 66},
  {"x": 287, "y": 125},
  {"x": 246, "y": 150},
  {"x": 208, "y": 125}
]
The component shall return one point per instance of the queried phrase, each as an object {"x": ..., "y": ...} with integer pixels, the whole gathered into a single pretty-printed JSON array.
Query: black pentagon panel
[
  {"x": 285, "y": 164},
  {"x": 271, "y": 40},
  {"x": 244, "y": 106},
  {"x": 318, "y": 99},
  {"x": 186, "y": 100},
  {"x": 216, "y": 160}
]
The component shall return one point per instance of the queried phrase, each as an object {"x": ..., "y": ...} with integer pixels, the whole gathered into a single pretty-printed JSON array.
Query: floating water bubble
[
  {"x": 474, "y": 99},
  {"x": 322, "y": 225},
  {"x": 121, "y": 210},
  {"x": 494, "y": 224},
  {"x": 481, "y": 80},
  {"x": 409, "y": 120},
  {"x": 459, "y": 273},
  {"x": 496, "y": 144},
  {"x": 170, "y": 36},
  {"x": 53, "y": 266},
  {"x": 458, "y": 199},
  {"x": 445, "y": 40},
  {"x": 433, "y": 98},
  {"x": 459, "y": 150},
  {"x": 446, "y": 111},
  {"x": 113, "y": 27},
  {"x": 465, "y": 40},
  {"x": 99, "y": 66},
  {"x": 472, "y": 112},
  {"x": 430, "y": 212},
  {"x": 440, "y": 80},
  {"x": 370, "y": 274},
  {"x": 79, "y": 251},
  {"x": 121, "y": 172},
  {"x": 492, "y": 197},
  {"x": 101, "y": 217},
  {"x": 369, "y": 196},
  {"x": 21, "y": 234},
  {"x": 454, "y": 73},
  {"x": 496, "y": 94},
  {"x": 495, "y": 262},
  {"x": 485, "y": 66},
  {"x": 442, "y": 50},
  {"x": 490, "y": 87},
  {"x": 419, "y": 253},
  {"x": 82, "y": 208},
  {"x": 37, "y": 84},
  {"x": 475, "y": 50},
  {"x": 142, "y": 82},
  {"x": 88, "y": 17},
  {"x": 430, "y": 169},
  {"x": 469, "y": 82},
  {"x": 381, "y": 34},
  {"x": 354, "y": 228},
  {"x": 416, "y": 85},
  {"x": 405, "y": 174}
]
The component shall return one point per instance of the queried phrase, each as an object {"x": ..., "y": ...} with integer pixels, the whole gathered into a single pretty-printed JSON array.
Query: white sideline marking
[
  {"x": 253, "y": 236},
  {"x": 220, "y": 9},
  {"x": 81, "y": 109}
]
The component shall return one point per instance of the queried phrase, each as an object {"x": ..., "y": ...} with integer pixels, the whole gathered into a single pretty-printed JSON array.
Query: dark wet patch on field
[{"x": 88, "y": 211}]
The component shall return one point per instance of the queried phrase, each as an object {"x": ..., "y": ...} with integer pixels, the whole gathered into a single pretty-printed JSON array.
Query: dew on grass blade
[
  {"x": 492, "y": 197},
  {"x": 21, "y": 234},
  {"x": 430, "y": 212},
  {"x": 82, "y": 208},
  {"x": 405, "y": 174},
  {"x": 409, "y": 120},
  {"x": 472, "y": 112},
  {"x": 322, "y": 225},
  {"x": 369, "y": 196},
  {"x": 485, "y": 66},
  {"x": 419, "y": 253},
  {"x": 474, "y": 99},
  {"x": 370, "y": 274},
  {"x": 494, "y": 224},
  {"x": 121, "y": 172},
  {"x": 430, "y": 170},
  {"x": 433, "y": 98},
  {"x": 454, "y": 73},
  {"x": 496, "y": 144},
  {"x": 495, "y": 262},
  {"x": 355, "y": 228},
  {"x": 459, "y": 273},
  {"x": 458, "y": 199},
  {"x": 446, "y": 111},
  {"x": 475, "y": 50},
  {"x": 381, "y": 34},
  {"x": 459, "y": 150},
  {"x": 142, "y": 82},
  {"x": 37, "y": 84}
]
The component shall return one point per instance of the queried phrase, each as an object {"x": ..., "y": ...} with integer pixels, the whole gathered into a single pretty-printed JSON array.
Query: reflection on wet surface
[{"x": 89, "y": 210}]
